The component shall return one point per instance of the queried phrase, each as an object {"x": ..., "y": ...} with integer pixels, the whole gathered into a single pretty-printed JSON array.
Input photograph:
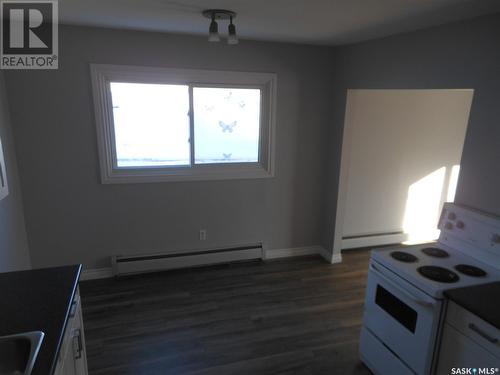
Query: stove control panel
[{"x": 475, "y": 232}]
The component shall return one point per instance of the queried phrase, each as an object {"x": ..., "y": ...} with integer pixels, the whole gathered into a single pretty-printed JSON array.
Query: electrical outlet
[{"x": 203, "y": 234}]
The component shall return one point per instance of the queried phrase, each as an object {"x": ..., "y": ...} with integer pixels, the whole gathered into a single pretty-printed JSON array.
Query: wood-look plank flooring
[{"x": 294, "y": 316}]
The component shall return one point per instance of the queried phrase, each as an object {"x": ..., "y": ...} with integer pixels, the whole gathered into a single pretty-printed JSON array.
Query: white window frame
[{"x": 103, "y": 74}]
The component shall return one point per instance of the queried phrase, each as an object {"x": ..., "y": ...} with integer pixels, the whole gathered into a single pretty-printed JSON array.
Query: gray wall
[
  {"x": 13, "y": 241},
  {"x": 71, "y": 217},
  {"x": 459, "y": 55}
]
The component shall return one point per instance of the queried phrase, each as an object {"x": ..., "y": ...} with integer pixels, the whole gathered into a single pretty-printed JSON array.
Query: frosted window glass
[
  {"x": 151, "y": 124},
  {"x": 226, "y": 125}
]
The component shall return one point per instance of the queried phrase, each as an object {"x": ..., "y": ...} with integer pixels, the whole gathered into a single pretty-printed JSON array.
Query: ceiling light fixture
[{"x": 213, "y": 31}]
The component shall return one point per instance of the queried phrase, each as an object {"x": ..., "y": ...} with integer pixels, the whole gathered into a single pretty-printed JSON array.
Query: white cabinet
[
  {"x": 72, "y": 358},
  {"x": 457, "y": 350},
  {"x": 468, "y": 342}
]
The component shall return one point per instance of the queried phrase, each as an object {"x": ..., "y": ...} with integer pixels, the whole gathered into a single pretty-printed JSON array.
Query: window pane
[
  {"x": 151, "y": 124},
  {"x": 226, "y": 125}
]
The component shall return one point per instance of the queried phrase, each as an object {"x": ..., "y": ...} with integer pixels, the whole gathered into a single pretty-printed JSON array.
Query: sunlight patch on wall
[
  {"x": 423, "y": 206},
  {"x": 452, "y": 184}
]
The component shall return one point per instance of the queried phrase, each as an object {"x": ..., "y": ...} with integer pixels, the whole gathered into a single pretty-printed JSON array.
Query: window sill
[{"x": 205, "y": 173}]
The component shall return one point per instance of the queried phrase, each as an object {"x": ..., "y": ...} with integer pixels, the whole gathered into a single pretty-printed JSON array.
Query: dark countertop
[
  {"x": 481, "y": 300},
  {"x": 38, "y": 300}
]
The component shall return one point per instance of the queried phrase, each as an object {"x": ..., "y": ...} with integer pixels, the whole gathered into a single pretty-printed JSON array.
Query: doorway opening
[{"x": 401, "y": 157}]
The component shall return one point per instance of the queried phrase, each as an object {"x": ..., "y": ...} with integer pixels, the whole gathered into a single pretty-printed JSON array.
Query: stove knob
[
  {"x": 452, "y": 216},
  {"x": 460, "y": 225},
  {"x": 495, "y": 238},
  {"x": 448, "y": 225}
]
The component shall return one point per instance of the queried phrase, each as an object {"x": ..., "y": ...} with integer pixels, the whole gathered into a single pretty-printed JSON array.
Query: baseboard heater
[
  {"x": 124, "y": 265},
  {"x": 373, "y": 239}
]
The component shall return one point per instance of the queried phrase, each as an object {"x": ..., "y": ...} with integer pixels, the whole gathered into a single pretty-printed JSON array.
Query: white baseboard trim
[
  {"x": 329, "y": 257},
  {"x": 293, "y": 252},
  {"x": 107, "y": 272},
  {"x": 325, "y": 254},
  {"x": 336, "y": 258},
  {"x": 96, "y": 273}
]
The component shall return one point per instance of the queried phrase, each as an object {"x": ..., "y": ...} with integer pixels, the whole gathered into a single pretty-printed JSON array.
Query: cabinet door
[
  {"x": 66, "y": 360},
  {"x": 79, "y": 346},
  {"x": 80, "y": 353},
  {"x": 72, "y": 356},
  {"x": 68, "y": 366},
  {"x": 459, "y": 351}
]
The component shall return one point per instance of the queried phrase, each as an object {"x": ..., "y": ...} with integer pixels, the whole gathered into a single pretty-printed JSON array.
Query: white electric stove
[{"x": 404, "y": 304}]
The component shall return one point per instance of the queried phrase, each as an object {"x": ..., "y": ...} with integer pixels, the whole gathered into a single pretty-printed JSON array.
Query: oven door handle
[{"x": 403, "y": 291}]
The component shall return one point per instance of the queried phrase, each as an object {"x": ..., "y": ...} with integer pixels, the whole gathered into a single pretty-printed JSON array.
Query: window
[
  {"x": 226, "y": 125},
  {"x": 156, "y": 124},
  {"x": 151, "y": 124}
]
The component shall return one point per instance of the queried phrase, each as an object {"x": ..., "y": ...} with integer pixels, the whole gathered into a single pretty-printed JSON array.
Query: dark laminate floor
[{"x": 298, "y": 316}]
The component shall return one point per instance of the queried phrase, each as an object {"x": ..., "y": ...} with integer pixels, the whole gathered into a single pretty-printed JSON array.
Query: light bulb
[
  {"x": 213, "y": 31},
  {"x": 232, "y": 38}
]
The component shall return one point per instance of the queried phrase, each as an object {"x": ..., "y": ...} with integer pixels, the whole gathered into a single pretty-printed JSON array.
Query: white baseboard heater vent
[{"x": 125, "y": 265}]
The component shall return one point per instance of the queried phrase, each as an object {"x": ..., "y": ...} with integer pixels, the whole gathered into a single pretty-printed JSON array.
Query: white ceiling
[{"x": 328, "y": 22}]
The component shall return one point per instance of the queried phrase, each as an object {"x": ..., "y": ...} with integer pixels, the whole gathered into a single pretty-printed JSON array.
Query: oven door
[{"x": 403, "y": 317}]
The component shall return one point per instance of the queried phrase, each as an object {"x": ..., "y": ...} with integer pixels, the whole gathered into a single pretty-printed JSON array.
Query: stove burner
[
  {"x": 440, "y": 274},
  {"x": 469, "y": 270},
  {"x": 435, "y": 252},
  {"x": 404, "y": 257}
]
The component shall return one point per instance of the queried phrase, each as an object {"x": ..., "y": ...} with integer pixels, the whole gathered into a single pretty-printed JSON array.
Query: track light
[
  {"x": 213, "y": 31},
  {"x": 231, "y": 38}
]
